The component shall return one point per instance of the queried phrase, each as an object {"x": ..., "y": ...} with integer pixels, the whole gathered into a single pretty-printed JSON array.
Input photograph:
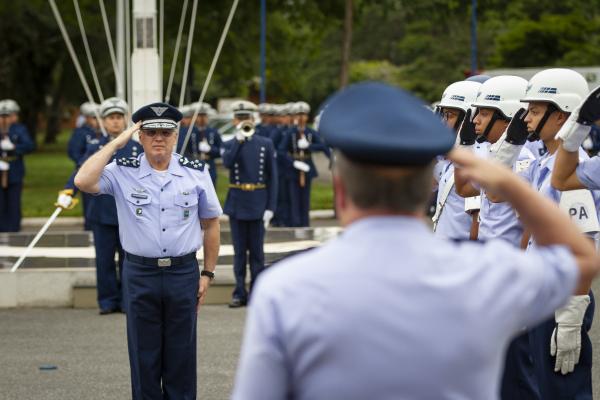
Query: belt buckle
[
  {"x": 164, "y": 262},
  {"x": 246, "y": 186}
]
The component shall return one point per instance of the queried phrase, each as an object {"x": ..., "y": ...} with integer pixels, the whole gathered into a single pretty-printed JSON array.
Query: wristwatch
[{"x": 211, "y": 275}]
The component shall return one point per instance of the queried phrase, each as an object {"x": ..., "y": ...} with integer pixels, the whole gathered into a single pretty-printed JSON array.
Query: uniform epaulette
[
  {"x": 193, "y": 164},
  {"x": 131, "y": 162}
]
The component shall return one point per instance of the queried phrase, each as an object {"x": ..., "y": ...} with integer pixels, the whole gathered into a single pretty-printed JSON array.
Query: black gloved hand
[
  {"x": 466, "y": 132},
  {"x": 590, "y": 109},
  {"x": 517, "y": 133}
]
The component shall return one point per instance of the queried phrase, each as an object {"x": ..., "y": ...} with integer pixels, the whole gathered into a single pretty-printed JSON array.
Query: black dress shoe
[{"x": 236, "y": 303}]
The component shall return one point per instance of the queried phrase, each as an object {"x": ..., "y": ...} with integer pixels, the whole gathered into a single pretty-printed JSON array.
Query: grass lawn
[{"x": 49, "y": 168}]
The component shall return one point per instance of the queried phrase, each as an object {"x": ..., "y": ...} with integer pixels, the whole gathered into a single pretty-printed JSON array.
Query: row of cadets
[
  {"x": 551, "y": 360},
  {"x": 14, "y": 143}
]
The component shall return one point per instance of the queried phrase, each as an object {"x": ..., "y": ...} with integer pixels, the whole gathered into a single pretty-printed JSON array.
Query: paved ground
[{"x": 90, "y": 353}]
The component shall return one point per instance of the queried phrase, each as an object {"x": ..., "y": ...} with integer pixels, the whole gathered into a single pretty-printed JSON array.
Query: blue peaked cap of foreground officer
[
  {"x": 376, "y": 123},
  {"x": 157, "y": 116}
]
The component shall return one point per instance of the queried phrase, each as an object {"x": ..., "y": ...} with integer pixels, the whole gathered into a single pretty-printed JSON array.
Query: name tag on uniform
[
  {"x": 580, "y": 206},
  {"x": 139, "y": 196}
]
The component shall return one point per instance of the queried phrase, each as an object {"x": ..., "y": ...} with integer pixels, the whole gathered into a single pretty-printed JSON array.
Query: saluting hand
[{"x": 124, "y": 137}]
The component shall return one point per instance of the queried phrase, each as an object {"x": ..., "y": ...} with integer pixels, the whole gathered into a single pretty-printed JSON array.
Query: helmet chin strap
[
  {"x": 459, "y": 120},
  {"x": 535, "y": 135}
]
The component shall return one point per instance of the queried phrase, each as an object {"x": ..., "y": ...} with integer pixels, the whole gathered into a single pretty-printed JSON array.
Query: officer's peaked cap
[
  {"x": 157, "y": 116},
  {"x": 379, "y": 124},
  {"x": 113, "y": 105},
  {"x": 243, "y": 107}
]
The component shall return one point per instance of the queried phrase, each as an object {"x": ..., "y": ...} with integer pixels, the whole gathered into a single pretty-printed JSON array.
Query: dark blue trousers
[
  {"x": 299, "y": 198},
  {"x": 282, "y": 211},
  {"x": 108, "y": 278},
  {"x": 519, "y": 381},
  {"x": 161, "y": 330},
  {"x": 85, "y": 201},
  {"x": 10, "y": 207},
  {"x": 576, "y": 385},
  {"x": 248, "y": 240}
]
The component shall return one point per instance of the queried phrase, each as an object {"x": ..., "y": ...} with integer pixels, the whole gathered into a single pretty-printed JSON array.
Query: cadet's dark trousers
[
  {"x": 85, "y": 201},
  {"x": 299, "y": 202},
  {"x": 10, "y": 207},
  {"x": 161, "y": 329},
  {"x": 282, "y": 211},
  {"x": 519, "y": 379},
  {"x": 108, "y": 279},
  {"x": 576, "y": 385},
  {"x": 248, "y": 239}
]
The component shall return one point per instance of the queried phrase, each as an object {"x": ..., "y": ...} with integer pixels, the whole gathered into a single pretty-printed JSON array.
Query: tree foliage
[{"x": 420, "y": 45}]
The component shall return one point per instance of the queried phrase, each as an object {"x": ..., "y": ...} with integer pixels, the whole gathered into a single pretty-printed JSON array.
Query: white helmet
[
  {"x": 562, "y": 87},
  {"x": 502, "y": 93},
  {"x": 300, "y": 107},
  {"x": 186, "y": 111},
  {"x": 459, "y": 95},
  {"x": 88, "y": 109},
  {"x": 113, "y": 105},
  {"x": 12, "y": 106}
]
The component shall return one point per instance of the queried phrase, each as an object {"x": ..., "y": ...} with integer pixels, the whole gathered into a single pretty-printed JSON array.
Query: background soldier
[
  {"x": 251, "y": 198},
  {"x": 295, "y": 150},
  {"x": 14, "y": 143}
]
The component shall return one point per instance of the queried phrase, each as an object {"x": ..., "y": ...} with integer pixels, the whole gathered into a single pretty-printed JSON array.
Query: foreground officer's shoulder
[
  {"x": 193, "y": 164},
  {"x": 130, "y": 162}
]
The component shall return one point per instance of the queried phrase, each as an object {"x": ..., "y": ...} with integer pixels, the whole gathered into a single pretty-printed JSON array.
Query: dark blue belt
[{"x": 161, "y": 261}]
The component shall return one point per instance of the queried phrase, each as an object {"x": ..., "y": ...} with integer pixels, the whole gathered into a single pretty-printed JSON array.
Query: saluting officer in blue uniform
[
  {"x": 251, "y": 199},
  {"x": 14, "y": 143},
  {"x": 78, "y": 143},
  {"x": 295, "y": 150},
  {"x": 278, "y": 132},
  {"x": 167, "y": 208},
  {"x": 208, "y": 143},
  {"x": 102, "y": 211}
]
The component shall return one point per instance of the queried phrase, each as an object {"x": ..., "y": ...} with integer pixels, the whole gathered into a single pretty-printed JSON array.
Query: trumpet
[{"x": 246, "y": 127}]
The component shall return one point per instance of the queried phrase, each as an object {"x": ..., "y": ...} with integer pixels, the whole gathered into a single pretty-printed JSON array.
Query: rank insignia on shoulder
[
  {"x": 130, "y": 162},
  {"x": 193, "y": 164}
]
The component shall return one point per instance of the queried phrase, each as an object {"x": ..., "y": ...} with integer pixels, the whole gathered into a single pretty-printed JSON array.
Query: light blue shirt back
[
  {"x": 160, "y": 216},
  {"x": 389, "y": 311},
  {"x": 588, "y": 172}
]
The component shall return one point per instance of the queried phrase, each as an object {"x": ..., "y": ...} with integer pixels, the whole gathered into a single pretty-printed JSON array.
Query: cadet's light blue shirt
[
  {"x": 353, "y": 320},
  {"x": 160, "y": 217},
  {"x": 499, "y": 220},
  {"x": 588, "y": 172}
]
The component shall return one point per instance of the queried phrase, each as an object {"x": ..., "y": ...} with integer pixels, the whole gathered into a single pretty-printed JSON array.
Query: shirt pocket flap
[
  {"x": 186, "y": 200},
  {"x": 139, "y": 199}
]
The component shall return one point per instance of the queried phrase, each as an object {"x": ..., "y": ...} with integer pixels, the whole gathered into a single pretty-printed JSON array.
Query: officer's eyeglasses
[
  {"x": 447, "y": 115},
  {"x": 164, "y": 133}
]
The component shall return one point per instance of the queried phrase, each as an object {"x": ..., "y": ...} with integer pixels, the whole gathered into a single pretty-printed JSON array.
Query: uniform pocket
[
  {"x": 186, "y": 207},
  {"x": 139, "y": 205}
]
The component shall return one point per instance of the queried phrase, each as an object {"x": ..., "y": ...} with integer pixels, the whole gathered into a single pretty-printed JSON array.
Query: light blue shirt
[
  {"x": 160, "y": 217},
  {"x": 588, "y": 172},
  {"x": 389, "y": 311},
  {"x": 499, "y": 220}
]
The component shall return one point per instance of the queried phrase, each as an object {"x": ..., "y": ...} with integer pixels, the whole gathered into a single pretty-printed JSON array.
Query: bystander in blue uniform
[{"x": 14, "y": 143}]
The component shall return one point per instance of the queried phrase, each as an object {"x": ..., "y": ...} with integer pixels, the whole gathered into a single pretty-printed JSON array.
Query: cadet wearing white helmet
[{"x": 450, "y": 219}]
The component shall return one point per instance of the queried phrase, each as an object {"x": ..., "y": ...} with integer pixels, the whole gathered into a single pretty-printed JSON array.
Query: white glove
[
  {"x": 6, "y": 144},
  {"x": 565, "y": 343},
  {"x": 303, "y": 143},
  {"x": 267, "y": 217},
  {"x": 301, "y": 166},
  {"x": 239, "y": 135},
  {"x": 204, "y": 147},
  {"x": 4, "y": 166},
  {"x": 573, "y": 133},
  {"x": 64, "y": 200}
]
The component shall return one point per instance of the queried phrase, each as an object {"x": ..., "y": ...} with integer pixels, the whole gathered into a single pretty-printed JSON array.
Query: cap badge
[{"x": 159, "y": 110}]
